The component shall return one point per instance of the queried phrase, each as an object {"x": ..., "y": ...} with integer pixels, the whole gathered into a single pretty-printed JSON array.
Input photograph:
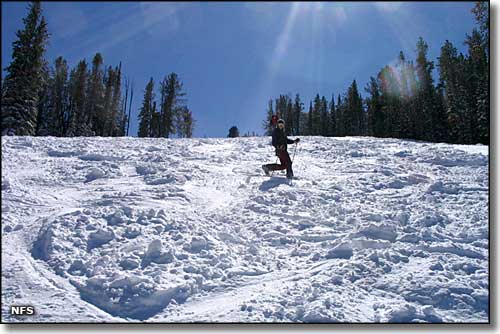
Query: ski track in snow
[{"x": 190, "y": 230}]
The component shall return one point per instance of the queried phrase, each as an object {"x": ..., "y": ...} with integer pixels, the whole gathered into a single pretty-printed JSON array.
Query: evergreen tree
[
  {"x": 477, "y": 80},
  {"x": 376, "y": 120},
  {"x": 45, "y": 123},
  {"x": 123, "y": 105},
  {"x": 324, "y": 119},
  {"x": 297, "y": 111},
  {"x": 353, "y": 116},
  {"x": 118, "y": 117},
  {"x": 432, "y": 124},
  {"x": 413, "y": 101},
  {"x": 78, "y": 119},
  {"x": 171, "y": 103},
  {"x": 290, "y": 118},
  {"x": 95, "y": 96},
  {"x": 362, "y": 116},
  {"x": 310, "y": 129},
  {"x": 23, "y": 82},
  {"x": 130, "y": 106},
  {"x": 104, "y": 128},
  {"x": 316, "y": 116},
  {"x": 266, "y": 124},
  {"x": 405, "y": 126},
  {"x": 331, "y": 118},
  {"x": 451, "y": 82},
  {"x": 61, "y": 96},
  {"x": 155, "y": 122},
  {"x": 303, "y": 123},
  {"x": 233, "y": 132},
  {"x": 339, "y": 118},
  {"x": 481, "y": 14},
  {"x": 188, "y": 122},
  {"x": 146, "y": 113},
  {"x": 390, "y": 101}
]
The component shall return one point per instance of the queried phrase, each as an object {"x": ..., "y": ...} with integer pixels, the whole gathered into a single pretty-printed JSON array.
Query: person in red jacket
[{"x": 280, "y": 142}]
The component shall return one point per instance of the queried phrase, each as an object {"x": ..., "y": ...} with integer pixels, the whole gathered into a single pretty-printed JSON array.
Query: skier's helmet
[{"x": 282, "y": 121}]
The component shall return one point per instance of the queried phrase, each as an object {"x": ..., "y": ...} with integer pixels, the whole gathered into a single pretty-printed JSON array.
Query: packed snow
[{"x": 190, "y": 230}]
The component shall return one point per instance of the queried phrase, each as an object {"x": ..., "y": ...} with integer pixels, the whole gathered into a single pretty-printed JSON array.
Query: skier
[{"x": 280, "y": 142}]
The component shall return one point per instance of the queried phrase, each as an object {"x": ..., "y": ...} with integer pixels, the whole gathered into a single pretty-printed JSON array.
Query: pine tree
[
  {"x": 310, "y": 121},
  {"x": 339, "y": 118},
  {"x": 118, "y": 117},
  {"x": 331, "y": 118},
  {"x": 432, "y": 118},
  {"x": 297, "y": 111},
  {"x": 188, "y": 123},
  {"x": 316, "y": 116},
  {"x": 290, "y": 119},
  {"x": 130, "y": 106},
  {"x": 233, "y": 132},
  {"x": 324, "y": 119},
  {"x": 452, "y": 85},
  {"x": 181, "y": 118},
  {"x": 146, "y": 113},
  {"x": 477, "y": 79},
  {"x": 171, "y": 103},
  {"x": 61, "y": 96},
  {"x": 155, "y": 127},
  {"x": 481, "y": 14},
  {"x": 45, "y": 119},
  {"x": 353, "y": 115},
  {"x": 405, "y": 126},
  {"x": 95, "y": 96},
  {"x": 375, "y": 116},
  {"x": 79, "y": 120},
  {"x": 413, "y": 101},
  {"x": 103, "y": 128},
  {"x": 23, "y": 82},
  {"x": 390, "y": 101},
  {"x": 266, "y": 124}
]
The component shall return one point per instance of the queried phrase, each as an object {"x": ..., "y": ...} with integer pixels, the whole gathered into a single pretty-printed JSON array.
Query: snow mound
[
  {"x": 128, "y": 270},
  {"x": 378, "y": 231},
  {"x": 342, "y": 251},
  {"x": 94, "y": 174},
  {"x": 98, "y": 157}
]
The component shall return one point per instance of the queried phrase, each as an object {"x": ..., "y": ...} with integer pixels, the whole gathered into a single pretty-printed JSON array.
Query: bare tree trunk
[
  {"x": 130, "y": 105},
  {"x": 124, "y": 102}
]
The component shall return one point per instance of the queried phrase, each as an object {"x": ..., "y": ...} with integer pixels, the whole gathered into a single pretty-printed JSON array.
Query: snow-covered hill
[{"x": 183, "y": 230}]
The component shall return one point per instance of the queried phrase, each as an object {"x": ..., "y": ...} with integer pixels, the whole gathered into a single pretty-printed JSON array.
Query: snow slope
[{"x": 189, "y": 230}]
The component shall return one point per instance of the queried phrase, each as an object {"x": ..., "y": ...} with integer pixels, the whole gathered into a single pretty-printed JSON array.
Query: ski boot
[{"x": 265, "y": 169}]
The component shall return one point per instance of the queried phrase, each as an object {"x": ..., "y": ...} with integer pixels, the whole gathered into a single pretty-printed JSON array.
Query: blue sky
[{"x": 233, "y": 57}]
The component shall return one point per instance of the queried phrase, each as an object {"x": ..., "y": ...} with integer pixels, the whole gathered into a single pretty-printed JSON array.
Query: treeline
[
  {"x": 44, "y": 100},
  {"x": 404, "y": 101},
  {"x": 88, "y": 103},
  {"x": 88, "y": 100},
  {"x": 170, "y": 115}
]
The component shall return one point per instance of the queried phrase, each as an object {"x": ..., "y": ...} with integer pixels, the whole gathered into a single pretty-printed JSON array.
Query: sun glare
[{"x": 308, "y": 16}]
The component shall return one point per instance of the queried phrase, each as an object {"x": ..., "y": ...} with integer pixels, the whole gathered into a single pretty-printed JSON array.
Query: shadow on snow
[{"x": 273, "y": 182}]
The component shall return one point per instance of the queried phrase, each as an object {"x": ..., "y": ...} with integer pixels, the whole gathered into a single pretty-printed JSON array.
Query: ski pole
[{"x": 294, "y": 151}]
